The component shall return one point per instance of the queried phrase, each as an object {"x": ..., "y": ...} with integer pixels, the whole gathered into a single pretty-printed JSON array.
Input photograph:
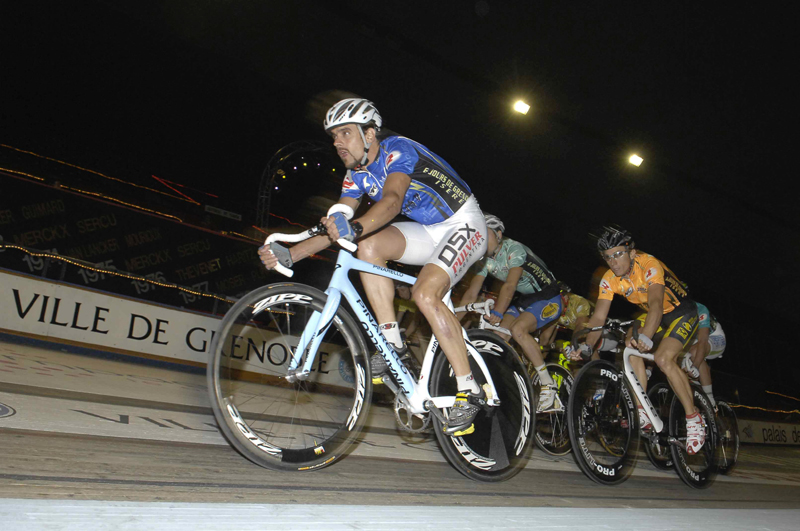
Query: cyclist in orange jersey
[{"x": 643, "y": 280}]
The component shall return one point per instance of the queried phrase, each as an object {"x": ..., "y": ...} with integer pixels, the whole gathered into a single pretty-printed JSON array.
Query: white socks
[
  {"x": 710, "y": 394},
  {"x": 392, "y": 334},
  {"x": 468, "y": 383},
  {"x": 544, "y": 376}
]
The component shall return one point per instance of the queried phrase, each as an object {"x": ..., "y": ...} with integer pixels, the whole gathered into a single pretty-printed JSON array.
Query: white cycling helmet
[
  {"x": 352, "y": 111},
  {"x": 493, "y": 222},
  {"x": 356, "y": 111}
]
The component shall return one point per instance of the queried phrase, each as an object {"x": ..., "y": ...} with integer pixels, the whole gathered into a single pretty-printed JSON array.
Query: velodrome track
[{"x": 94, "y": 441}]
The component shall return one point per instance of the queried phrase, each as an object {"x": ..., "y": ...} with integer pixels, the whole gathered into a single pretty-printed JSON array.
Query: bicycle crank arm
[
  {"x": 435, "y": 411},
  {"x": 388, "y": 382},
  {"x": 675, "y": 441}
]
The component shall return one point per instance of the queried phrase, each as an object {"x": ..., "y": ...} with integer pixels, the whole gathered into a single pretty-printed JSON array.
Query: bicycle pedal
[{"x": 463, "y": 432}]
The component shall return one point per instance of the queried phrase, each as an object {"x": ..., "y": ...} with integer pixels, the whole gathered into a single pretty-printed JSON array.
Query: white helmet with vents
[{"x": 352, "y": 111}]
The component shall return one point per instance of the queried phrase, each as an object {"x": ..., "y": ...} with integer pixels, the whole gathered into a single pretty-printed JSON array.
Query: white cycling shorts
[
  {"x": 454, "y": 244},
  {"x": 716, "y": 343}
]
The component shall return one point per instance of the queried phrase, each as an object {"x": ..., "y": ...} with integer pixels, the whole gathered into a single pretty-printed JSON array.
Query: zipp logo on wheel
[{"x": 460, "y": 247}]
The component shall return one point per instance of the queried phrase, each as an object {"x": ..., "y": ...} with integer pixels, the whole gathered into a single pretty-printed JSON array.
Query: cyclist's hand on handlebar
[
  {"x": 330, "y": 228},
  {"x": 342, "y": 228},
  {"x": 273, "y": 254},
  {"x": 266, "y": 257},
  {"x": 643, "y": 344},
  {"x": 493, "y": 318}
]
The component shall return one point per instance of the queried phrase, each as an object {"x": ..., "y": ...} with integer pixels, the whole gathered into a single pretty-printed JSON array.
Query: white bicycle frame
[
  {"x": 414, "y": 393},
  {"x": 638, "y": 390}
]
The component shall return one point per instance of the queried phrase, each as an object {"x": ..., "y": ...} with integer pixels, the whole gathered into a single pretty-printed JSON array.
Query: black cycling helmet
[{"x": 614, "y": 236}]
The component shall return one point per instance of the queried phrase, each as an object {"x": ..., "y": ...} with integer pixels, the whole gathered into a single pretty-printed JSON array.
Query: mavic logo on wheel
[
  {"x": 609, "y": 374},
  {"x": 283, "y": 297}
]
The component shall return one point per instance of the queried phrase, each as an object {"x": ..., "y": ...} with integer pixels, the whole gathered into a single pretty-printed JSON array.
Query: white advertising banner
[
  {"x": 755, "y": 431},
  {"x": 56, "y": 312}
]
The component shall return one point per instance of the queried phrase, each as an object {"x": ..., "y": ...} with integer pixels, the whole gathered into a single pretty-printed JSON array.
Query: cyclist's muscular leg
[
  {"x": 387, "y": 244},
  {"x": 665, "y": 357},
  {"x": 432, "y": 283},
  {"x": 521, "y": 330}
]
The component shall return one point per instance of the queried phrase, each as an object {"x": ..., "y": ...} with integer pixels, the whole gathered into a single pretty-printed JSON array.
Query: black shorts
[{"x": 680, "y": 323}]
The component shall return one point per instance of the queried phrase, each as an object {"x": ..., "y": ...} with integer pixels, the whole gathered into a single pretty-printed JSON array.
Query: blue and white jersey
[{"x": 436, "y": 191}]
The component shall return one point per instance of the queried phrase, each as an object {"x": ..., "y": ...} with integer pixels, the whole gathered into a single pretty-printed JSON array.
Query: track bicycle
[
  {"x": 551, "y": 434},
  {"x": 603, "y": 422},
  {"x": 290, "y": 381}
]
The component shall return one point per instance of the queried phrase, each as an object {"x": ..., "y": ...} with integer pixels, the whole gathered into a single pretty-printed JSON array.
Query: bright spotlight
[
  {"x": 636, "y": 160},
  {"x": 521, "y": 107}
]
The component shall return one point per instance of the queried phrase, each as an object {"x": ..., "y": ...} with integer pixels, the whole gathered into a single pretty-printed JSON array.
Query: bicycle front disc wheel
[
  {"x": 552, "y": 434},
  {"x": 602, "y": 426},
  {"x": 498, "y": 448},
  {"x": 286, "y": 423}
]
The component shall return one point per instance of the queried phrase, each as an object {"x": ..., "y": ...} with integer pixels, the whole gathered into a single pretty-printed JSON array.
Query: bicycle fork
[{"x": 310, "y": 340}]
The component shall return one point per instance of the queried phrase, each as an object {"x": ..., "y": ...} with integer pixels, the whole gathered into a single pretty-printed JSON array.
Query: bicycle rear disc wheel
[
  {"x": 272, "y": 421},
  {"x": 602, "y": 425},
  {"x": 660, "y": 453},
  {"x": 728, "y": 447},
  {"x": 552, "y": 434},
  {"x": 697, "y": 470},
  {"x": 500, "y": 445}
]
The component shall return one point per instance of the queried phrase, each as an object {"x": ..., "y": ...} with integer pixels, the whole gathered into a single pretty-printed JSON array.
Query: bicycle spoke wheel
[
  {"x": 498, "y": 449},
  {"x": 602, "y": 426},
  {"x": 274, "y": 422},
  {"x": 552, "y": 434},
  {"x": 728, "y": 444},
  {"x": 658, "y": 449},
  {"x": 697, "y": 470}
]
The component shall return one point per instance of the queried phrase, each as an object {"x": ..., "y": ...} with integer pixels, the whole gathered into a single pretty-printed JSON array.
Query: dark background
[{"x": 203, "y": 93}]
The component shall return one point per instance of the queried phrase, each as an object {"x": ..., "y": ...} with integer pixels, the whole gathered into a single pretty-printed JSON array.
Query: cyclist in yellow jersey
[
  {"x": 574, "y": 316},
  {"x": 643, "y": 280}
]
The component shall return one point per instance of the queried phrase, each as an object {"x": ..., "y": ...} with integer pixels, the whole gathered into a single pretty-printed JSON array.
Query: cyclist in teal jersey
[
  {"x": 710, "y": 344},
  {"x": 530, "y": 298}
]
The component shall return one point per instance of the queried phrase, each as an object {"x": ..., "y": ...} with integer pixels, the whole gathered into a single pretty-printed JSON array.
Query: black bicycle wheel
[
  {"x": 602, "y": 425},
  {"x": 499, "y": 447},
  {"x": 657, "y": 446},
  {"x": 697, "y": 470},
  {"x": 552, "y": 434},
  {"x": 728, "y": 447},
  {"x": 275, "y": 421}
]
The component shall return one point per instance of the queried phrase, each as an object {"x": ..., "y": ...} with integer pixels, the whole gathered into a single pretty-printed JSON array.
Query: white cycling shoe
[
  {"x": 549, "y": 400},
  {"x": 695, "y": 433}
]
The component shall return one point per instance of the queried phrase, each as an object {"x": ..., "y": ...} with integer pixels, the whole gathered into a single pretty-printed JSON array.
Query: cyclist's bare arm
[
  {"x": 307, "y": 247},
  {"x": 508, "y": 290},
  {"x": 599, "y": 316},
  {"x": 700, "y": 350},
  {"x": 580, "y": 323},
  {"x": 382, "y": 212},
  {"x": 655, "y": 305},
  {"x": 471, "y": 295}
]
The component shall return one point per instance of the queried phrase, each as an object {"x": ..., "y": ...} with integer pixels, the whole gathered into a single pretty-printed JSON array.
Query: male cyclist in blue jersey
[
  {"x": 446, "y": 236},
  {"x": 529, "y": 299}
]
